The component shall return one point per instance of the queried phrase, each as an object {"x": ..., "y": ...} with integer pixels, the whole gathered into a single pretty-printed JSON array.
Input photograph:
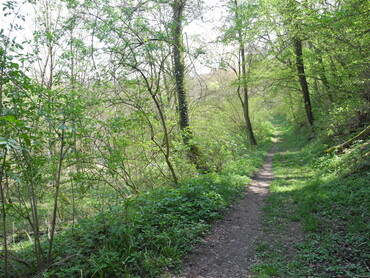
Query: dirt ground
[{"x": 228, "y": 250}]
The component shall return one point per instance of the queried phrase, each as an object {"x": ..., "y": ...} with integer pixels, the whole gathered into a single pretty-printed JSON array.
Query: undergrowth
[
  {"x": 147, "y": 233},
  {"x": 327, "y": 196}
]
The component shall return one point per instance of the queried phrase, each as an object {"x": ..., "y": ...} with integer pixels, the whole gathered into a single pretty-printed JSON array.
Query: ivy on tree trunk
[{"x": 194, "y": 154}]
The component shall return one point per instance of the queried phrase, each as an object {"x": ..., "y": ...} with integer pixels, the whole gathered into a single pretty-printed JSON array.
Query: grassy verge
[
  {"x": 148, "y": 233},
  {"x": 316, "y": 220}
]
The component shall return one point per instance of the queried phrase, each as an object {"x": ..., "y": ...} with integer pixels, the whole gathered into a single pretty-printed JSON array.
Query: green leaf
[{"x": 3, "y": 141}]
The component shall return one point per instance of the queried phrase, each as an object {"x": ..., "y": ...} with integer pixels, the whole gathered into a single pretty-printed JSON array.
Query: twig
[
  {"x": 18, "y": 260},
  {"x": 53, "y": 264}
]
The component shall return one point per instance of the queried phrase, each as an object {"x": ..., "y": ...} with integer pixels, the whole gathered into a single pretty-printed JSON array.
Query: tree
[
  {"x": 291, "y": 13},
  {"x": 303, "y": 80},
  {"x": 242, "y": 17},
  {"x": 194, "y": 154},
  {"x": 325, "y": 44},
  {"x": 292, "y": 33},
  {"x": 239, "y": 24}
]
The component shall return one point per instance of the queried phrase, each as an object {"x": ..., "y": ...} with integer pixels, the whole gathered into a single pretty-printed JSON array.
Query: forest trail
[{"x": 228, "y": 250}]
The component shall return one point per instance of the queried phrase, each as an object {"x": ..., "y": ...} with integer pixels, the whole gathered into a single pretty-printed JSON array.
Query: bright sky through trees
[
  {"x": 139, "y": 117},
  {"x": 204, "y": 30}
]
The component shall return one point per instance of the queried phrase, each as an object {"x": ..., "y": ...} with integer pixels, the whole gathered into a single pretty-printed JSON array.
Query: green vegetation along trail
[{"x": 228, "y": 250}]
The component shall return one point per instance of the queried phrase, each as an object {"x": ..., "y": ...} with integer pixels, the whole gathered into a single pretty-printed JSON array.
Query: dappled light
[{"x": 133, "y": 131}]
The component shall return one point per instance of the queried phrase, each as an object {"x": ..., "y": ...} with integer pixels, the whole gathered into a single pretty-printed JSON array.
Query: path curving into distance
[{"x": 228, "y": 250}]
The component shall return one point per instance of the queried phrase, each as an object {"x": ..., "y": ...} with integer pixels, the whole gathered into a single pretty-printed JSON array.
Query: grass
[
  {"x": 145, "y": 234},
  {"x": 326, "y": 198}
]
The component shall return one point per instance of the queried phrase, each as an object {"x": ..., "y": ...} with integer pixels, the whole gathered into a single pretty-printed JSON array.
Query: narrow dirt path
[{"x": 228, "y": 251}]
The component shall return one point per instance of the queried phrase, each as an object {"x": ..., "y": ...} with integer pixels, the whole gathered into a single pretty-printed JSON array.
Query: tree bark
[
  {"x": 248, "y": 123},
  {"x": 57, "y": 190},
  {"x": 303, "y": 81},
  {"x": 179, "y": 64},
  {"x": 4, "y": 214},
  {"x": 244, "y": 81},
  {"x": 2, "y": 71},
  {"x": 194, "y": 154}
]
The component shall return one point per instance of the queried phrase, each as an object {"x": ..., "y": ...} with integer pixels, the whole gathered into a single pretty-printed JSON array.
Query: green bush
[{"x": 145, "y": 233}]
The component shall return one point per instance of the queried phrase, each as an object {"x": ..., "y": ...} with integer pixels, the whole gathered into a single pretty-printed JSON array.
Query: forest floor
[
  {"x": 229, "y": 249},
  {"x": 305, "y": 217}
]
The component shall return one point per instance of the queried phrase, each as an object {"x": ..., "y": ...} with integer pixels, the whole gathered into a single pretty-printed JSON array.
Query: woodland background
[{"x": 104, "y": 118}]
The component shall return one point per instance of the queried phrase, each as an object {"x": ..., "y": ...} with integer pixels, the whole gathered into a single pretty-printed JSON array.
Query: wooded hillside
[{"x": 113, "y": 112}]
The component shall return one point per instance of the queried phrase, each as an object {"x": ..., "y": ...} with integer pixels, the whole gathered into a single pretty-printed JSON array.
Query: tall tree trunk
[
  {"x": 244, "y": 81},
  {"x": 303, "y": 80},
  {"x": 179, "y": 64},
  {"x": 3, "y": 212},
  {"x": 56, "y": 195},
  {"x": 193, "y": 153},
  {"x": 34, "y": 220},
  {"x": 248, "y": 123},
  {"x": 2, "y": 74}
]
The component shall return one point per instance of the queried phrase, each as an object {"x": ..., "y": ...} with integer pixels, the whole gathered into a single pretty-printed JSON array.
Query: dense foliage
[
  {"x": 145, "y": 233},
  {"x": 104, "y": 117}
]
